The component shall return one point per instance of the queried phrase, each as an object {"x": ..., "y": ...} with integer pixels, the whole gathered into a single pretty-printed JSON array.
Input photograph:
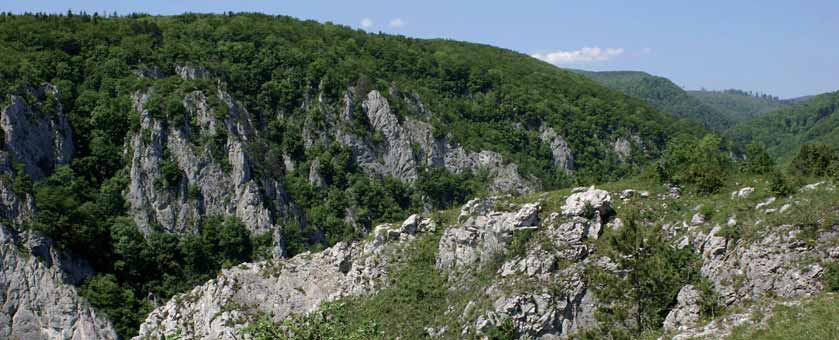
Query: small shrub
[
  {"x": 504, "y": 331},
  {"x": 518, "y": 245},
  {"x": 779, "y": 184},
  {"x": 831, "y": 276}
]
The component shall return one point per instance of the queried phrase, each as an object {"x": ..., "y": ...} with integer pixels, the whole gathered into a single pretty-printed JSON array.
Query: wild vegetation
[
  {"x": 739, "y": 105},
  {"x": 481, "y": 97},
  {"x": 814, "y": 121},
  {"x": 665, "y": 96}
]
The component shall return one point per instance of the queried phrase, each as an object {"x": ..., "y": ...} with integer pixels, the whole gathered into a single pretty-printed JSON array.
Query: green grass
[{"x": 817, "y": 318}]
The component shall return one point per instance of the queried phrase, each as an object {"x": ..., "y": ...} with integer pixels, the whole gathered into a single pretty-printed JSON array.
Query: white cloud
[
  {"x": 396, "y": 23},
  {"x": 584, "y": 55},
  {"x": 366, "y": 23}
]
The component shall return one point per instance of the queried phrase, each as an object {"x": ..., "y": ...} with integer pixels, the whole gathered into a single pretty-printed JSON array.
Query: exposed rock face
[
  {"x": 36, "y": 299},
  {"x": 599, "y": 200},
  {"x": 398, "y": 155},
  {"x": 563, "y": 158},
  {"x": 622, "y": 147},
  {"x": 221, "y": 307},
  {"x": 409, "y": 144},
  {"x": 766, "y": 265},
  {"x": 560, "y": 305},
  {"x": 482, "y": 234},
  {"x": 41, "y": 139},
  {"x": 209, "y": 184},
  {"x": 687, "y": 309}
]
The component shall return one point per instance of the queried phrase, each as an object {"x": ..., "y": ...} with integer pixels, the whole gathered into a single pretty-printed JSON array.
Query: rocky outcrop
[
  {"x": 37, "y": 134},
  {"x": 544, "y": 291},
  {"x": 597, "y": 200},
  {"x": 37, "y": 300},
  {"x": 772, "y": 264},
  {"x": 398, "y": 156},
  {"x": 686, "y": 313},
  {"x": 221, "y": 307},
  {"x": 482, "y": 234},
  {"x": 410, "y": 144},
  {"x": 561, "y": 154},
  {"x": 219, "y": 182}
]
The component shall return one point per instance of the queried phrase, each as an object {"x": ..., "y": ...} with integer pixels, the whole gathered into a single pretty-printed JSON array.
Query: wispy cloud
[
  {"x": 396, "y": 23},
  {"x": 366, "y": 23},
  {"x": 584, "y": 55}
]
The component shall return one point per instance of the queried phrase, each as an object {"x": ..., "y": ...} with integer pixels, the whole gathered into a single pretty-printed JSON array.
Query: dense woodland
[
  {"x": 665, "y": 96},
  {"x": 814, "y": 120},
  {"x": 740, "y": 105},
  {"x": 482, "y": 97}
]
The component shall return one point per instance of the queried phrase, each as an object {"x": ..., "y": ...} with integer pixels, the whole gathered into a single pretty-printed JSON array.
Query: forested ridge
[
  {"x": 276, "y": 68},
  {"x": 815, "y": 120},
  {"x": 663, "y": 95}
]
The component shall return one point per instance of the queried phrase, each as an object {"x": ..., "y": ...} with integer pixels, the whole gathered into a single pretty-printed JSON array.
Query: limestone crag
[
  {"x": 482, "y": 233},
  {"x": 220, "y": 183},
  {"x": 768, "y": 265},
  {"x": 37, "y": 299}
]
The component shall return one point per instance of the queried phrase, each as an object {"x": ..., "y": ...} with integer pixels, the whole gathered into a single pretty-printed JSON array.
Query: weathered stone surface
[
  {"x": 561, "y": 153},
  {"x": 686, "y": 313},
  {"x": 770, "y": 264},
  {"x": 575, "y": 204},
  {"x": 37, "y": 300},
  {"x": 210, "y": 185},
  {"x": 41, "y": 141},
  {"x": 622, "y": 147},
  {"x": 482, "y": 234}
]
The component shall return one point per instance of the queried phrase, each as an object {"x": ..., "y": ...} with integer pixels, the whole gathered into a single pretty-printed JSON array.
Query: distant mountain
[
  {"x": 663, "y": 95},
  {"x": 815, "y": 120},
  {"x": 739, "y": 105}
]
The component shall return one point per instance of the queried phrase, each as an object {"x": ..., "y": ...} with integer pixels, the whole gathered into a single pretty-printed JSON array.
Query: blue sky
[{"x": 786, "y": 48}]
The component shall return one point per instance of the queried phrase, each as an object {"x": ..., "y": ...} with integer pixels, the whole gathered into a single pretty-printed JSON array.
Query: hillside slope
[
  {"x": 163, "y": 149},
  {"x": 815, "y": 120},
  {"x": 542, "y": 266},
  {"x": 739, "y": 105},
  {"x": 663, "y": 95}
]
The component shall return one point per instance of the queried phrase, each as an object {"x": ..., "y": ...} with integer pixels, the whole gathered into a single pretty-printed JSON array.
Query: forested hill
[
  {"x": 740, "y": 105},
  {"x": 815, "y": 120},
  {"x": 162, "y": 149},
  {"x": 663, "y": 95}
]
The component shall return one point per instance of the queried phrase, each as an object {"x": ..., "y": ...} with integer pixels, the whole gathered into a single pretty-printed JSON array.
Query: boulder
[
  {"x": 742, "y": 193},
  {"x": 599, "y": 200}
]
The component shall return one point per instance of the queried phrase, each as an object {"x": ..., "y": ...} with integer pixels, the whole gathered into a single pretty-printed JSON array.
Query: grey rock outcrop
[
  {"x": 37, "y": 300},
  {"x": 686, "y": 313},
  {"x": 481, "y": 234},
  {"x": 561, "y": 153},
  {"x": 38, "y": 136},
  {"x": 599, "y": 200},
  {"x": 398, "y": 155},
  {"x": 768, "y": 265},
  {"x": 543, "y": 292},
  {"x": 281, "y": 287},
  {"x": 409, "y": 144},
  {"x": 209, "y": 183}
]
